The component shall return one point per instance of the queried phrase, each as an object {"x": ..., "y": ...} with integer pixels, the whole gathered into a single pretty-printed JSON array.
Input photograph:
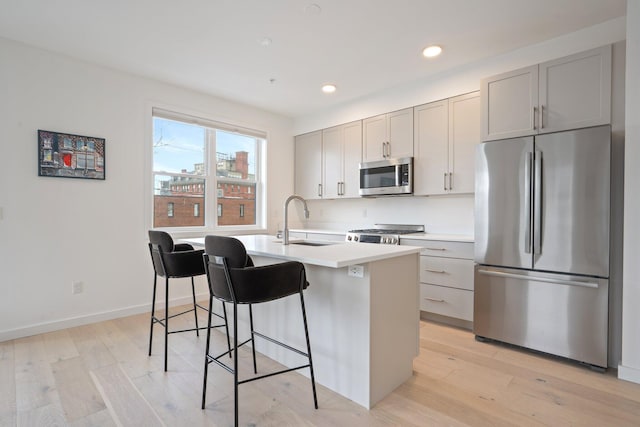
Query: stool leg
[
  {"x": 306, "y": 334},
  {"x": 253, "y": 342},
  {"x": 195, "y": 311},
  {"x": 153, "y": 311},
  {"x": 206, "y": 354},
  {"x": 226, "y": 326},
  {"x": 166, "y": 321},
  {"x": 235, "y": 363}
]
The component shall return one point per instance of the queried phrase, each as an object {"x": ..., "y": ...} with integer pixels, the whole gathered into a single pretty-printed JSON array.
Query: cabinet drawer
[
  {"x": 442, "y": 248},
  {"x": 450, "y": 302},
  {"x": 451, "y": 272}
]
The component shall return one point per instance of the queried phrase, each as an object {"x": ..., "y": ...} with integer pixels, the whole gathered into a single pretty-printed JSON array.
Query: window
[
  {"x": 170, "y": 210},
  {"x": 198, "y": 164}
]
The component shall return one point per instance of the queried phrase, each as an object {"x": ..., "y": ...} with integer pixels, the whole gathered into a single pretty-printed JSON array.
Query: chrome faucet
[{"x": 285, "y": 237}]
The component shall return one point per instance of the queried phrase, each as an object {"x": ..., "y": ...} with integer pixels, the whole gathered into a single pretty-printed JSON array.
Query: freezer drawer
[{"x": 553, "y": 313}]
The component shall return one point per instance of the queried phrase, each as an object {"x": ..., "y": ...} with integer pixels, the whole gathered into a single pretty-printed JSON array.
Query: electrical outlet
[
  {"x": 355, "y": 271},
  {"x": 76, "y": 288}
]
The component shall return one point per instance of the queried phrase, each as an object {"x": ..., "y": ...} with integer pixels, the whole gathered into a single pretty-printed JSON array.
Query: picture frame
[{"x": 64, "y": 155}]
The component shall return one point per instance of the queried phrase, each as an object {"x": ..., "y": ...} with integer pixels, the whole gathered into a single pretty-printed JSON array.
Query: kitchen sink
[{"x": 313, "y": 243}]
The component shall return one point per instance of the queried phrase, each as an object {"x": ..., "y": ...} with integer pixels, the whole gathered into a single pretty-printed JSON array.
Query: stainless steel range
[{"x": 388, "y": 234}]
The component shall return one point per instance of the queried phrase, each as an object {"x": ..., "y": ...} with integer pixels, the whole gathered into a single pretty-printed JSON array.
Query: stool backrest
[
  {"x": 233, "y": 278},
  {"x": 159, "y": 241}
]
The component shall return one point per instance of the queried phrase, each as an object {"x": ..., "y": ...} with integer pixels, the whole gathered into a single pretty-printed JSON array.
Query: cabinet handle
[
  {"x": 319, "y": 190},
  {"x": 342, "y": 188},
  {"x": 542, "y": 117},
  {"x": 445, "y": 181},
  {"x": 436, "y": 249},
  {"x": 534, "y": 118},
  {"x": 433, "y": 299},
  {"x": 450, "y": 181},
  {"x": 434, "y": 271}
]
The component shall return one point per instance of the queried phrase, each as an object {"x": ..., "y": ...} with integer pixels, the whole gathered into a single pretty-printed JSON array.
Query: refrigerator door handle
[
  {"x": 538, "y": 279},
  {"x": 537, "y": 202},
  {"x": 527, "y": 203}
]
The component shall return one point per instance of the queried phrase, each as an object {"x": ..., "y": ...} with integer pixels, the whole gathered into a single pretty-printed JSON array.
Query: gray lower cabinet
[{"x": 446, "y": 278}]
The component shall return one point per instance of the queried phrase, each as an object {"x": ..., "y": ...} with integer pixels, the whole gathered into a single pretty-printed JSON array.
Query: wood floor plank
[
  {"x": 59, "y": 346},
  {"x": 97, "y": 419},
  {"x": 87, "y": 340},
  {"x": 78, "y": 394},
  {"x": 50, "y": 415},
  {"x": 7, "y": 384},
  {"x": 125, "y": 403},
  {"x": 35, "y": 385}
]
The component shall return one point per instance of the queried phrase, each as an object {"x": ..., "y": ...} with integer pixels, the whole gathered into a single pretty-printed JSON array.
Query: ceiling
[{"x": 362, "y": 46}]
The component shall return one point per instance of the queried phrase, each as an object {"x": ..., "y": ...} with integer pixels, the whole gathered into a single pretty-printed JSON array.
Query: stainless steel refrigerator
[{"x": 542, "y": 243}]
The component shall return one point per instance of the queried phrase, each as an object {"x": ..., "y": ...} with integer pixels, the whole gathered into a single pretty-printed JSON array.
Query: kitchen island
[{"x": 362, "y": 309}]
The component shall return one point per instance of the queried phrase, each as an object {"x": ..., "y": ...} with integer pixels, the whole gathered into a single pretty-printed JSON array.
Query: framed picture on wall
[{"x": 65, "y": 155}]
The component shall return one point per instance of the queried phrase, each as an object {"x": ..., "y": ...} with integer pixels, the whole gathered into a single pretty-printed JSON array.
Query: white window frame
[{"x": 211, "y": 189}]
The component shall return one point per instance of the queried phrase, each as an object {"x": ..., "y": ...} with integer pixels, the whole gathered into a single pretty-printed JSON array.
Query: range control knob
[
  {"x": 394, "y": 240},
  {"x": 355, "y": 238},
  {"x": 349, "y": 238}
]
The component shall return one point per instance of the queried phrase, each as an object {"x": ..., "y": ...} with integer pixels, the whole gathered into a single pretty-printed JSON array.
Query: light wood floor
[{"x": 100, "y": 375}]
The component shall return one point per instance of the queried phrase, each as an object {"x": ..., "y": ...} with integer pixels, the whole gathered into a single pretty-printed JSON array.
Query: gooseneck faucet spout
[{"x": 285, "y": 237}]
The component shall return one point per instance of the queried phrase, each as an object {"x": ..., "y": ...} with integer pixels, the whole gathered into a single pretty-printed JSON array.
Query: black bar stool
[
  {"x": 176, "y": 261},
  {"x": 231, "y": 280}
]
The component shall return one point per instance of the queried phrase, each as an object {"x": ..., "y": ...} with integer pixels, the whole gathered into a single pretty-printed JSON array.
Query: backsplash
[{"x": 450, "y": 214}]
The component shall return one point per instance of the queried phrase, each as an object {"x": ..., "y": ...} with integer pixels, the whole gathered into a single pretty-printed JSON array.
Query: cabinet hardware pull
[
  {"x": 338, "y": 190},
  {"x": 435, "y": 271},
  {"x": 534, "y": 118},
  {"x": 450, "y": 181},
  {"x": 436, "y": 249},
  {"x": 542, "y": 117},
  {"x": 444, "y": 182},
  {"x": 433, "y": 299},
  {"x": 342, "y": 184},
  {"x": 319, "y": 190}
]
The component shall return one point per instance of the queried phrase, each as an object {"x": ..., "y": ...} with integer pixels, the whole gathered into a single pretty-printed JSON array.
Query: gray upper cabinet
[
  {"x": 566, "y": 93},
  {"x": 446, "y": 133},
  {"x": 308, "y": 166},
  {"x": 341, "y": 154},
  {"x": 388, "y": 136}
]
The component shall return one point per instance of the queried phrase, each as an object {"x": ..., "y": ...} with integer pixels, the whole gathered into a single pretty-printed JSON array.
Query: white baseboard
[
  {"x": 56, "y": 325},
  {"x": 629, "y": 374}
]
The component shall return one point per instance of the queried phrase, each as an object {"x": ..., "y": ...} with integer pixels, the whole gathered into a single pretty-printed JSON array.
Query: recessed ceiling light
[
  {"x": 432, "y": 51},
  {"x": 329, "y": 88},
  {"x": 265, "y": 41}
]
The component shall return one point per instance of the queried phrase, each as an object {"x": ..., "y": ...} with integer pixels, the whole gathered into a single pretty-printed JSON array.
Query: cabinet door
[
  {"x": 374, "y": 136},
  {"x": 332, "y": 161},
  {"x": 464, "y": 135},
  {"x": 352, "y": 156},
  {"x": 575, "y": 91},
  {"x": 308, "y": 166},
  {"x": 400, "y": 133},
  {"x": 431, "y": 130},
  {"x": 509, "y": 104}
]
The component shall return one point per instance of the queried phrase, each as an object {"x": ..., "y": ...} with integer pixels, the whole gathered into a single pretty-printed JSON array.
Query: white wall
[
  {"x": 53, "y": 230},
  {"x": 629, "y": 368}
]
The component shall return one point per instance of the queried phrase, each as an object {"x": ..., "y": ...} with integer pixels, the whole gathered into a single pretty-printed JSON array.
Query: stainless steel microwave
[{"x": 387, "y": 177}]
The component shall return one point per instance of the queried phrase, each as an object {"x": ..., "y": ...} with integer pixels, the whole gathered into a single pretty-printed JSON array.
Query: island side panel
[
  {"x": 338, "y": 314},
  {"x": 394, "y": 322}
]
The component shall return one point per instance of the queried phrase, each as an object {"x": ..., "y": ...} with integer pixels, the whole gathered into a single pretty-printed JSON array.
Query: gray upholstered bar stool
[
  {"x": 176, "y": 261},
  {"x": 232, "y": 281}
]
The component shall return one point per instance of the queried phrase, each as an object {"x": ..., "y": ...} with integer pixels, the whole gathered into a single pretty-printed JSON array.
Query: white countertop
[{"x": 334, "y": 255}]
